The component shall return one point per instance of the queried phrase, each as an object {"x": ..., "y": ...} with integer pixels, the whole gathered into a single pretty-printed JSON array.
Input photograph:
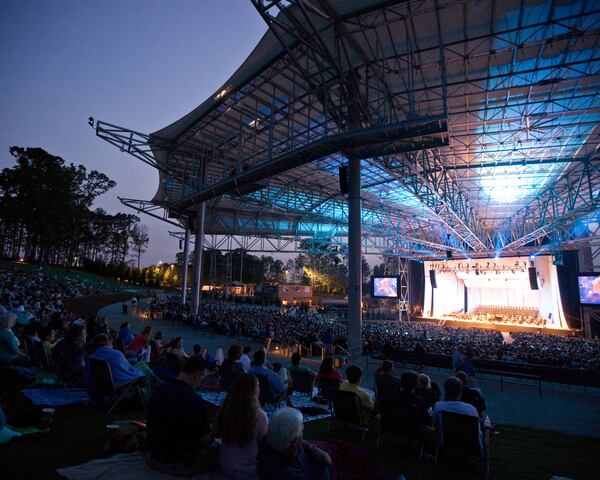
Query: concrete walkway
[{"x": 560, "y": 408}]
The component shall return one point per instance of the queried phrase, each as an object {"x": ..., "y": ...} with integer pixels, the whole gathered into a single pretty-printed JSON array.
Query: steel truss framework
[
  {"x": 395, "y": 265},
  {"x": 476, "y": 122}
]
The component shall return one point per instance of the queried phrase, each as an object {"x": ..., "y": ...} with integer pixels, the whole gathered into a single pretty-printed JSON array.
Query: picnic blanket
[
  {"x": 125, "y": 466},
  {"x": 311, "y": 410},
  {"x": 8, "y": 433},
  {"x": 56, "y": 397}
]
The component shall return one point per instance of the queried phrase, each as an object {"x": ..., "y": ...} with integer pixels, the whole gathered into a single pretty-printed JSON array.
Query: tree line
[
  {"x": 46, "y": 214},
  {"x": 47, "y": 217}
]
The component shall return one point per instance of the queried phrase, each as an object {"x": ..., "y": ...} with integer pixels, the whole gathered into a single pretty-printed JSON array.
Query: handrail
[
  {"x": 286, "y": 348},
  {"x": 342, "y": 349},
  {"x": 305, "y": 349},
  {"x": 321, "y": 347}
]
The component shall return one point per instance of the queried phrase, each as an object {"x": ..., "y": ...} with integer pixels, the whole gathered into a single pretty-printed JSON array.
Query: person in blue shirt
[
  {"x": 258, "y": 368},
  {"x": 269, "y": 334},
  {"x": 125, "y": 334},
  {"x": 122, "y": 371}
]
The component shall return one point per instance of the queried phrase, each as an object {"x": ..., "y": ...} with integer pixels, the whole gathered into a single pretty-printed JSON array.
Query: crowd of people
[
  {"x": 247, "y": 444},
  {"x": 294, "y": 326},
  {"x": 244, "y": 443}
]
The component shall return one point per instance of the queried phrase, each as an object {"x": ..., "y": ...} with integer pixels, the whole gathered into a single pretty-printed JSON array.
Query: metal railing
[{"x": 320, "y": 348}]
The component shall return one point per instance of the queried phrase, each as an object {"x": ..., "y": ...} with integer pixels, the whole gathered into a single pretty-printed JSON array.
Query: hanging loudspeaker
[
  {"x": 343, "y": 173},
  {"x": 533, "y": 278},
  {"x": 432, "y": 278}
]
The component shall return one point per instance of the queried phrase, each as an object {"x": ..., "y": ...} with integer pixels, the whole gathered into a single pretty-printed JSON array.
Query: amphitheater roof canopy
[{"x": 476, "y": 123}]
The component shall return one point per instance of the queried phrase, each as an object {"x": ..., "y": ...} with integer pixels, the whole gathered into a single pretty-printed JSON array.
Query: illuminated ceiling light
[
  {"x": 221, "y": 94},
  {"x": 254, "y": 123}
]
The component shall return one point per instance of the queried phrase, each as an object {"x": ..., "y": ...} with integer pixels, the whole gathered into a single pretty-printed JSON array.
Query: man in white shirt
[
  {"x": 453, "y": 390},
  {"x": 245, "y": 359}
]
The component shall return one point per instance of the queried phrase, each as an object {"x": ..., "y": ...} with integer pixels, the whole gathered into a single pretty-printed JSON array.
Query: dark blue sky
[{"x": 140, "y": 64}]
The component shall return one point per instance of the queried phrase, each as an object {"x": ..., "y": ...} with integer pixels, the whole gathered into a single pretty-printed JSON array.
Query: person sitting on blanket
[
  {"x": 275, "y": 383},
  {"x": 9, "y": 345},
  {"x": 327, "y": 371},
  {"x": 241, "y": 425},
  {"x": 180, "y": 438},
  {"x": 122, "y": 371},
  {"x": 141, "y": 343},
  {"x": 232, "y": 364},
  {"x": 285, "y": 454},
  {"x": 176, "y": 348},
  {"x": 296, "y": 367},
  {"x": 69, "y": 354},
  {"x": 211, "y": 363},
  {"x": 125, "y": 334},
  {"x": 245, "y": 359},
  {"x": 47, "y": 335}
]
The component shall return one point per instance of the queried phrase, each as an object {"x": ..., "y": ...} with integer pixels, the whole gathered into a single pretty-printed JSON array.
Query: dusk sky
[{"x": 138, "y": 64}]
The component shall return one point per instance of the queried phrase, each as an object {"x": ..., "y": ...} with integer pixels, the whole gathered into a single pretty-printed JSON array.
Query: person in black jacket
[
  {"x": 409, "y": 381},
  {"x": 180, "y": 437},
  {"x": 388, "y": 385},
  {"x": 428, "y": 391},
  {"x": 471, "y": 396}
]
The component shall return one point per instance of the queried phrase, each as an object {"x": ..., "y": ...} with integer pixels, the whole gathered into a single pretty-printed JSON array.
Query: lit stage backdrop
[{"x": 502, "y": 282}]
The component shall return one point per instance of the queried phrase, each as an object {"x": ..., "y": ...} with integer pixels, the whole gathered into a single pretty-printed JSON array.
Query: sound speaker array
[
  {"x": 343, "y": 174},
  {"x": 533, "y": 278},
  {"x": 432, "y": 278}
]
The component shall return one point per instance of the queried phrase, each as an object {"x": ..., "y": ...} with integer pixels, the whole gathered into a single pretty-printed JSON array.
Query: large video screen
[
  {"x": 385, "y": 287},
  {"x": 589, "y": 289}
]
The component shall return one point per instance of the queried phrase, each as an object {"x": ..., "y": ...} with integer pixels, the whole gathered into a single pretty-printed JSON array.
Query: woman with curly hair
[{"x": 241, "y": 425}]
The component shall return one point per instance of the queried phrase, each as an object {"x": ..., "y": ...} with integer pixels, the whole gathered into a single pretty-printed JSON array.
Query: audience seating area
[{"x": 124, "y": 370}]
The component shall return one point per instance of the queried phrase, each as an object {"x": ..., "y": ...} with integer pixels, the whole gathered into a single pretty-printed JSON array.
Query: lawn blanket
[
  {"x": 56, "y": 397},
  {"x": 126, "y": 466},
  {"x": 311, "y": 410}
]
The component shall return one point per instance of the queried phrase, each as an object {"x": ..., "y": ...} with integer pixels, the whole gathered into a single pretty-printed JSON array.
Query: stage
[{"x": 501, "y": 327}]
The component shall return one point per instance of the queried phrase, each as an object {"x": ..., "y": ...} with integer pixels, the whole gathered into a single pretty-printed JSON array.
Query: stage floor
[{"x": 501, "y": 327}]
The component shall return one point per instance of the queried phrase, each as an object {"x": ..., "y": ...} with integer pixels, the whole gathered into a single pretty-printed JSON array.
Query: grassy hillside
[{"x": 90, "y": 279}]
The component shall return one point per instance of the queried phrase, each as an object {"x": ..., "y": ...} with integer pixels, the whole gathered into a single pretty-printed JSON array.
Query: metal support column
[
  {"x": 354, "y": 259},
  {"x": 186, "y": 261},
  {"x": 197, "y": 282}
]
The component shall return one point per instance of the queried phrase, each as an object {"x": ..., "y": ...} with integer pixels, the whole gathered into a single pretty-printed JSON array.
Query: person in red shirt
[
  {"x": 327, "y": 377},
  {"x": 141, "y": 342}
]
